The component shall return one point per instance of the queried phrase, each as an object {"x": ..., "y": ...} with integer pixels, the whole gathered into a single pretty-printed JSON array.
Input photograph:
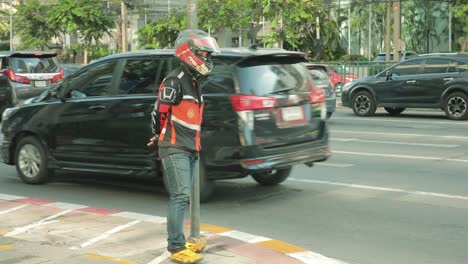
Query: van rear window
[
  {"x": 265, "y": 79},
  {"x": 38, "y": 64}
]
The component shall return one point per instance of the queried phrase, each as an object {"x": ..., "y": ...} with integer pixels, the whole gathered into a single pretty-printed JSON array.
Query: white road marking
[
  {"x": 13, "y": 209},
  {"x": 244, "y": 236},
  {"x": 458, "y": 123},
  {"x": 376, "y": 188},
  {"x": 142, "y": 217},
  {"x": 161, "y": 258},
  {"x": 398, "y": 156},
  {"x": 400, "y": 134},
  {"x": 106, "y": 234},
  {"x": 394, "y": 142},
  {"x": 10, "y": 197},
  {"x": 309, "y": 257},
  {"x": 337, "y": 165},
  {"x": 45, "y": 221}
]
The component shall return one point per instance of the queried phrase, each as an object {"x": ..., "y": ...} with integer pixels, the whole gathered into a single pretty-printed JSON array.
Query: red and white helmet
[{"x": 187, "y": 45}]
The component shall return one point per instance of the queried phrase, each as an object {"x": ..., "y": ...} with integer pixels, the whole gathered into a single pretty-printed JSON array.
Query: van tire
[
  {"x": 273, "y": 177},
  {"x": 31, "y": 161}
]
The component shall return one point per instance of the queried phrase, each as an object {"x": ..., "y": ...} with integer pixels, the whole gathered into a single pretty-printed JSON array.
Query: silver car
[
  {"x": 25, "y": 74},
  {"x": 321, "y": 80}
]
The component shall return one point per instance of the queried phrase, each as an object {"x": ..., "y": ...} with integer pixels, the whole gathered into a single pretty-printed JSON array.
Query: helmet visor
[{"x": 207, "y": 44}]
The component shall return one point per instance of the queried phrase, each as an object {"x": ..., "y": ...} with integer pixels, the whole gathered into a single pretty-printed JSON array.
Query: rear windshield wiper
[{"x": 282, "y": 90}]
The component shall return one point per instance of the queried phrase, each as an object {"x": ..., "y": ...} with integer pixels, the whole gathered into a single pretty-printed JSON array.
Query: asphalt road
[{"x": 394, "y": 191}]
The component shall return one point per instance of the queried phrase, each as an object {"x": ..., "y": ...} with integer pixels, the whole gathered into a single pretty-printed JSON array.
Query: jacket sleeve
[{"x": 169, "y": 94}]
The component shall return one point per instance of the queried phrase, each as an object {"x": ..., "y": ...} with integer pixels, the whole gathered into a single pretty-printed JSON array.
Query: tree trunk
[{"x": 85, "y": 55}]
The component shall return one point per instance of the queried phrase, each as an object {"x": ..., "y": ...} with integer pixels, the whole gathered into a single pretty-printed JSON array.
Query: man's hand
[{"x": 152, "y": 141}]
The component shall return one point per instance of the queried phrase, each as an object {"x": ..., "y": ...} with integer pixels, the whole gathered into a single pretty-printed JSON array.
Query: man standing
[{"x": 176, "y": 121}]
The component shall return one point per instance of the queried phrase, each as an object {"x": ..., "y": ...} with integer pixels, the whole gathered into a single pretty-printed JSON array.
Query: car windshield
[
  {"x": 318, "y": 74},
  {"x": 34, "y": 65}
]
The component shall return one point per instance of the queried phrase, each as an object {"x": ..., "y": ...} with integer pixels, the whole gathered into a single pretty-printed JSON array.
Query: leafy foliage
[
  {"x": 33, "y": 26},
  {"x": 162, "y": 33}
]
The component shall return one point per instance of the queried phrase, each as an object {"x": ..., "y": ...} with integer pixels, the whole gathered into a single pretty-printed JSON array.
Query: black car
[
  {"x": 260, "y": 119},
  {"x": 25, "y": 74},
  {"x": 426, "y": 81}
]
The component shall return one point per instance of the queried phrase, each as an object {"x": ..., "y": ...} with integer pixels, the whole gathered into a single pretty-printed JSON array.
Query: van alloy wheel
[
  {"x": 456, "y": 106},
  {"x": 29, "y": 160}
]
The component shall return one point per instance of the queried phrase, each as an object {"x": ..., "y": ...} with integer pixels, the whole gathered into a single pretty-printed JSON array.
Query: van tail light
[
  {"x": 252, "y": 161},
  {"x": 16, "y": 78},
  {"x": 242, "y": 102},
  {"x": 316, "y": 95},
  {"x": 58, "y": 76}
]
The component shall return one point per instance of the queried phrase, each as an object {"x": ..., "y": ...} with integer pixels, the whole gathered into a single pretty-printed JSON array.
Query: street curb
[{"x": 298, "y": 253}]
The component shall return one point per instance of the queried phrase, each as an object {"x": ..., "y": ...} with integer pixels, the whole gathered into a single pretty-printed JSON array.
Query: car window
[
  {"x": 139, "y": 76},
  {"x": 220, "y": 79},
  {"x": 457, "y": 66},
  {"x": 435, "y": 65},
  {"x": 318, "y": 74},
  {"x": 34, "y": 64},
  {"x": 265, "y": 79},
  {"x": 94, "y": 81},
  {"x": 411, "y": 67}
]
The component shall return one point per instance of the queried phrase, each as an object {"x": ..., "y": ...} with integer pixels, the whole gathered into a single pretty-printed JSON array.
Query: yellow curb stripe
[
  {"x": 214, "y": 229},
  {"x": 6, "y": 247},
  {"x": 281, "y": 246},
  {"x": 123, "y": 261}
]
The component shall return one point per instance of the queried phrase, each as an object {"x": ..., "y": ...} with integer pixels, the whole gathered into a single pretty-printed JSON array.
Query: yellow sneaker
[
  {"x": 196, "y": 247},
  {"x": 186, "y": 256}
]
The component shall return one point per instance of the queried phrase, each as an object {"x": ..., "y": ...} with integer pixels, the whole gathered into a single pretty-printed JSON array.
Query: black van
[{"x": 262, "y": 116}]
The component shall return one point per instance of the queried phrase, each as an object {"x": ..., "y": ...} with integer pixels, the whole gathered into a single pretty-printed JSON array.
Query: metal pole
[
  {"x": 123, "y": 14},
  {"x": 318, "y": 37},
  {"x": 192, "y": 14},
  {"x": 349, "y": 29},
  {"x": 450, "y": 27},
  {"x": 11, "y": 25},
  {"x": 195, "y": 196},
  {"x": 396, "y": 32},
  {"x": 387, "y": 31},
  {"x": 369, "y": 33}
]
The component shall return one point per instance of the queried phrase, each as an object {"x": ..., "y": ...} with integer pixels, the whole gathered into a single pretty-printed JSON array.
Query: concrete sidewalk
[{"x": 34, "y": 231}]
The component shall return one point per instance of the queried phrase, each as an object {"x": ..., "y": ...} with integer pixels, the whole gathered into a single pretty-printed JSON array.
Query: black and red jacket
[{"x": 178, "y": 112}]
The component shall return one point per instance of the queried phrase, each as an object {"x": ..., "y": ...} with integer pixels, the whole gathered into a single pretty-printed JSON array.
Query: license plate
[
  {"x": 292, "y": 113},
  {"x": 40, "y": 83}
]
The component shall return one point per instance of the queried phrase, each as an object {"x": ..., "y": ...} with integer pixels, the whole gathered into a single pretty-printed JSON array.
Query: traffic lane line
[
  {"x": 412, "y": 121},
  {"x": 394, "y": 142},
  {"x": 384, "y": 189},
  {"x": 396, "y": 156},
  {"x": 6, "y": 247},
  {"x": 451, "y": 137}
]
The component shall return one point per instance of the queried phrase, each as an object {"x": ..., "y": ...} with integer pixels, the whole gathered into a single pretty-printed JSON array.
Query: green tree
[
  {"x": 33, "y": 26},
  {"x": 460, "y": 9},
  {"x": 86, "y": 18},
  {"x": 162, "y": 32}
]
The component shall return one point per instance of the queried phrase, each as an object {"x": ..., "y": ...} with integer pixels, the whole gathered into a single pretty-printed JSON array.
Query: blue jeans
[{"x": 179, "y": 170}]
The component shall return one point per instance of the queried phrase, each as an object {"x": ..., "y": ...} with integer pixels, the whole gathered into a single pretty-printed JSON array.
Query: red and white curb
[{"x": 298, "y": 253}]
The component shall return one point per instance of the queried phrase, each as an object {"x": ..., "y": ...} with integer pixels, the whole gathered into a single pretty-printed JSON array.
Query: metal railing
[{"x": 343, "y": 72}]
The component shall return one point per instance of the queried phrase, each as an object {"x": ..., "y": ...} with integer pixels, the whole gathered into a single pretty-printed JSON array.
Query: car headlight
[{"x": 8, "y": 113}]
